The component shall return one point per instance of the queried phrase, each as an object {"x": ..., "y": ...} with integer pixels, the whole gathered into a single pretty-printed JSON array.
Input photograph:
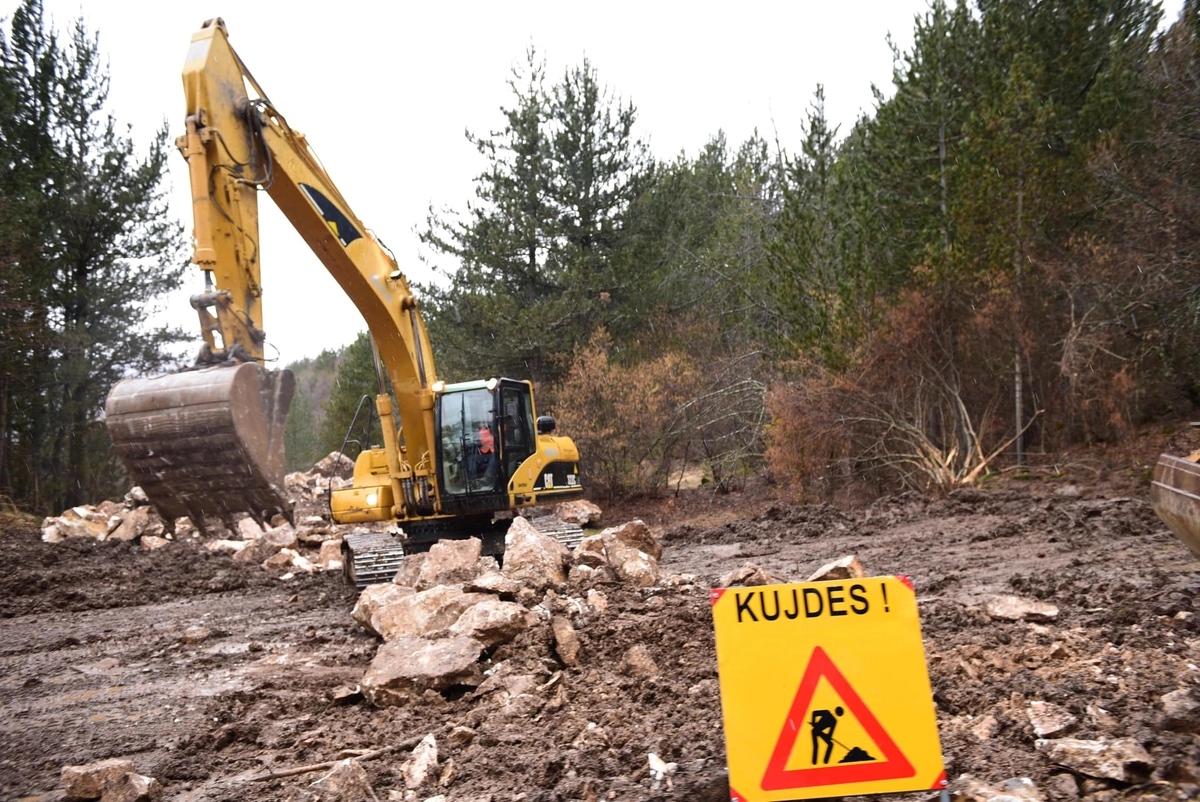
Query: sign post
[{"x": 825, "y": 691}]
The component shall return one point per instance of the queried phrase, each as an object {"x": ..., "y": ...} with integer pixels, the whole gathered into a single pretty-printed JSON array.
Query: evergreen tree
[
  {"x": 530, "y": 261},
  {"x": 95, "y": 247}
]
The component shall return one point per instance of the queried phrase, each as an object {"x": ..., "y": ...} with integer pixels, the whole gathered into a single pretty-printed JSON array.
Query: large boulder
[
  {"x": 847, "y": 567},
  {"x": 405, "y": 668},
  {"x": 590, "y": 552},
  {"x": 410, "y": 570},
  {"x": 426, "y": 614},
  {"x": 493, "y": 622},
  {"x": 450, "y": 562},
  {"x": 532, "y": 557},
  {"x": 133, "y": 523},
  {"x": 1121, "y": 759},
  {"x": 88, "y": 781},
  {"x": 579, "y": 512},
  {"x": 330, "y": 556},
  {"x": 132, "y": 787},
  {"x": 335, "y": 464},
  {"x": 634, "y": 534},
  {"x": 347, "y": 781},
  {"x": 373, "y": 599},
  {"x": 631, "y": 565}
]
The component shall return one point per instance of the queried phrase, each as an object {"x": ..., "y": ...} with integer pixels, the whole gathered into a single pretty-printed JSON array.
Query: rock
[
  {"x": 1121, "y": 759},
  {"x": 967, "y": 788},
  {"x": 638, "y": 662},
  {"x": 345, "y": 695},
  {"x": 847, "y": 567},
  {"x": 405, "y": 668},
  {"x": 1068, "y": 491},
  {"x": 374, "y": 598},
  {"x": 450, "y": 562},
  {"x": 428, "y": 614},
  {"x": 152, "y": 543},
  {"x": 536, "y": 559},
  {"x": 632, "y": 566},
  {"x": 276, "y": 540},
  {"x": 597, "y": 600},
  {"x": 421, "y": 763},
  {"x": 592, "y": 736},
  {"x": 492, "y": 622},
  {"x": 460, "y": 736},
  {"x": 566, "y": 641},
  {"x": 494, "y": 583},
  {"x": 196, "y": 634},
  {"x": 1015, "y": 608},
  {"x": 87, "y": 781},
  {"x": 347, "y": 781},
  {"x": 136, "y": 497},
  {"x": 634, "y": 534},
  {"x": 410, "y": 570},
  {"x": 446, "y": 778},
  {"x": 130, "y": 787},
  {"x": 590, "y": 552},
  {"x": 133, "y": 523},
  {"x": 986, "y": 728},
  {"x": 330, "y": 556},
  {"x": 226, "y": 546},
  {"x": 1021, "y": 788},
  {"x": 749, "y": 575},
  {"x": 289, "y": 559},
  {"x": 1181, "y": 712},
  {"x": 1049, "y": 720},
  {"x": 1062, "y": 788},
  {"x": 183, "y": 527},
  {"x": 579, "y": 512},
  {"x": 82, "y": 521},
  {"x": 1101, "y": 719},
  {"x": 248, "y": 529},
  {"x": 335, "y": 463},
  {"x": 50, "y": 531}
]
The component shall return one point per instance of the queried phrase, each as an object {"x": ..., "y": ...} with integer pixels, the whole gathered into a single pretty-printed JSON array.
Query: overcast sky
[{"x": 384, "y": 91}]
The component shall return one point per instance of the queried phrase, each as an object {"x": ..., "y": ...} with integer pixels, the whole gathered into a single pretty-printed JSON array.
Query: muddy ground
[{"x": 96, "y": 660}]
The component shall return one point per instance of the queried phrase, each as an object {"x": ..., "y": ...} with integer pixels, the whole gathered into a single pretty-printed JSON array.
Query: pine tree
[
  {"x": 526, "y": 268},
  {"x": 93, "y": 247}
]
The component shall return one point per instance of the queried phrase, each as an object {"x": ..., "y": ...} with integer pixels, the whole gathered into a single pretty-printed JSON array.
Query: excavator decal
[{"x": 338, "y": 223}]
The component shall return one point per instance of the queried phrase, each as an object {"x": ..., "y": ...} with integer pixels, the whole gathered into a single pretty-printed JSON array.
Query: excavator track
[{"x": 374, "y": 557}]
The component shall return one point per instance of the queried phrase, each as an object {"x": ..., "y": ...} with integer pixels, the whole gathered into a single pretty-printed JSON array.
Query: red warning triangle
[{"x": 778, "y": 777}]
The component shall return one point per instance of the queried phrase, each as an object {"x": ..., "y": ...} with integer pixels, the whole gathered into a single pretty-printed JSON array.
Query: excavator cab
[{"x": 486, "y": 432}]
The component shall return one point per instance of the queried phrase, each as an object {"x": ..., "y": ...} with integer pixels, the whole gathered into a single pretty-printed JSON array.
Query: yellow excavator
[{"x": 457, "y": 460}]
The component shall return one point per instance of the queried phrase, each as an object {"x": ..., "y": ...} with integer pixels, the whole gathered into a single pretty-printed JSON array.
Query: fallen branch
[{"x": 328, "y": 764}]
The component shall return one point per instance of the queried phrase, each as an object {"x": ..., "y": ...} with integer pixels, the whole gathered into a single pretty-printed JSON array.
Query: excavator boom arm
[{"x": 245, "y": 143}]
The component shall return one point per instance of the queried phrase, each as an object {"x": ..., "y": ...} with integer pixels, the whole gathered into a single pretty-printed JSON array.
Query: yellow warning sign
[{"x": 825, "y": 691}]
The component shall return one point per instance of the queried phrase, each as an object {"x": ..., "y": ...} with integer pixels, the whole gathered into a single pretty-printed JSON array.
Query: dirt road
[{"x": 211, "y": 674}]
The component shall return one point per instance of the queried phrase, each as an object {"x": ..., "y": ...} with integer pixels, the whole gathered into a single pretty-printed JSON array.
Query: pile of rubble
[{"x": 446, "y": 611}]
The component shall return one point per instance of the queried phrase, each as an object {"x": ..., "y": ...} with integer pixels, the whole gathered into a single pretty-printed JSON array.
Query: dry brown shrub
[
  {"x": 898, "y": 416},
  {"x": 626, "y": 420}
]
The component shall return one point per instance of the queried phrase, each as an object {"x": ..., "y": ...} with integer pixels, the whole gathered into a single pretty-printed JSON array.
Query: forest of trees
[
  {"x": 997, "y": 262},
  {"x": 86, "y": 245}
]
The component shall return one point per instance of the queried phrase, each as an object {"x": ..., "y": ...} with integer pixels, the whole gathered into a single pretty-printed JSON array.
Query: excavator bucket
[
  {"x": 1175, "y": 496},
  {"x": 205, "y": 442}
]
